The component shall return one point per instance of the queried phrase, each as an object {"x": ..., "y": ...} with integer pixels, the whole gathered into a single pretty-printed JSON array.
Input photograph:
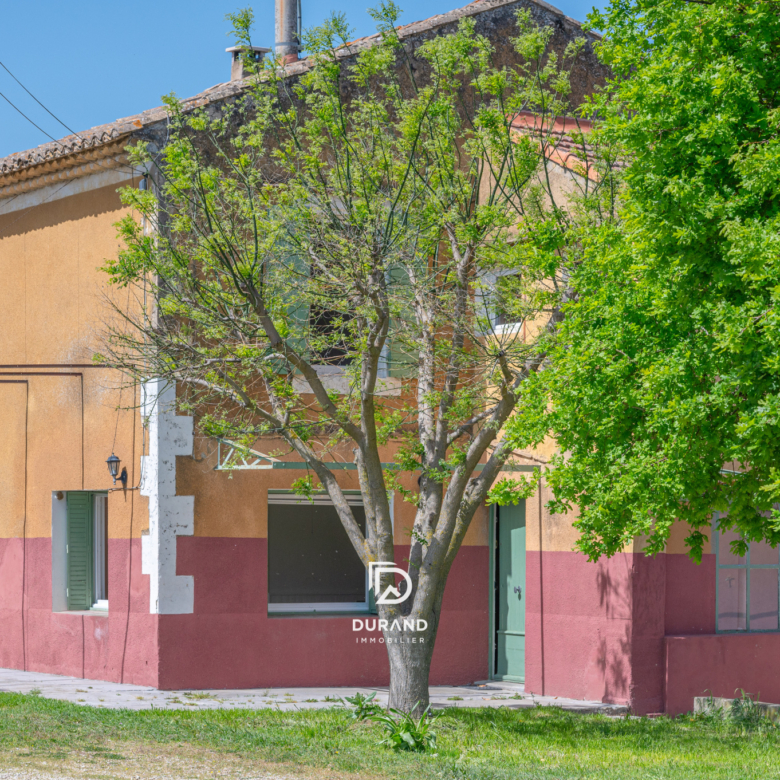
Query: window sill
[
  {"x": 322, "y": 613},
  {"x": 309, "y": 607},
  {"x": 82, "y": 612}
]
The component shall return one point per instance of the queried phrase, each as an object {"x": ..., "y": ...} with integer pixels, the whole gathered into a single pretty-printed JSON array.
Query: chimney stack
[
  {"x": 243, "y": 55},
  {"x": 288, "y": 29}
]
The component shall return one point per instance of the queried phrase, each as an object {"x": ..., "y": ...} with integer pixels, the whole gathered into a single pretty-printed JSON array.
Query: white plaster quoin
[{"x": 169, "y": 515}]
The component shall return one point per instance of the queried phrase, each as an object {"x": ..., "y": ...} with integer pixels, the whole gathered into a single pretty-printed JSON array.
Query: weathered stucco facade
[{"x": 187, "y": 552}]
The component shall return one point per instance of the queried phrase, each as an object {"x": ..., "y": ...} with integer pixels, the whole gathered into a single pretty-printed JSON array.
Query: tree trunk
[{"x": 409, "y": 653}]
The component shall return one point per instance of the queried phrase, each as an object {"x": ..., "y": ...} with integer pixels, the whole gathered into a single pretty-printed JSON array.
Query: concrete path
[{"x": 97, "y": 693}]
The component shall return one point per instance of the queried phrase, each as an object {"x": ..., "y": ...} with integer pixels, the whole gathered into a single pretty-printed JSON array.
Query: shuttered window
[
  {"x": 401, "y": 352},
  {"x": 87, "y": 570},
  {"x": 79, "y": 551}
]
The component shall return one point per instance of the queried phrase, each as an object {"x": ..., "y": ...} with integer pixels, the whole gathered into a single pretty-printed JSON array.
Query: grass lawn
[{"x": 544, "y": 742}]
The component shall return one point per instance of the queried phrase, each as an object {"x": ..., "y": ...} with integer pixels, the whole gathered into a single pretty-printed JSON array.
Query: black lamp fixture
[{"x": 113, "y": 469}]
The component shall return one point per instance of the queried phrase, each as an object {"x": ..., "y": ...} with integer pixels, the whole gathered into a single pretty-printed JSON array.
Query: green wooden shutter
[
  {"x": 401, "y": 357},
  {"x": 287, "y": 276},
  {"x": 80, "y": 563}
]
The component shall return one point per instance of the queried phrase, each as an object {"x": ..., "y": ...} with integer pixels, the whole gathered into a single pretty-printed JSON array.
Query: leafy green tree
[
  {"x": 349, "y": 225},
  {"x": 664, "y": 383}
]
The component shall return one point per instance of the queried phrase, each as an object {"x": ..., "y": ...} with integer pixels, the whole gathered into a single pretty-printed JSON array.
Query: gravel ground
[{"x": 97, "y": 693}]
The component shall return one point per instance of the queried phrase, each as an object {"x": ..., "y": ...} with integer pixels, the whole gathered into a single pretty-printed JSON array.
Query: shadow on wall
[
  {"x": 613, "y": 583},
  {"x": 57, "y": 207}
]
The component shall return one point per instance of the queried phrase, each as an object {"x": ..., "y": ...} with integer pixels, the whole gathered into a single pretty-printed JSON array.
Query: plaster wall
[
  {"x": 191, "y": 609},
  {"x": 721, "y": 665},
  {"x": 229, "y": 640},
  {"x": 600, "y": 630},
  {"x": 58, "y": 414}
]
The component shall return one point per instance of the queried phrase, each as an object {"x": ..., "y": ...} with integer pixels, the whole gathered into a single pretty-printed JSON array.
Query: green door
[{"x": 510, "y": 593}]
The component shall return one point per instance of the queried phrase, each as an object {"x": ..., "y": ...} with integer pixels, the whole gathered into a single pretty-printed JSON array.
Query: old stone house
[{"x": 182, "y": 577}]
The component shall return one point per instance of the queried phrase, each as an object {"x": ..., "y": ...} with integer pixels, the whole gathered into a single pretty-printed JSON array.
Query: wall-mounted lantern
[{"x": 113, "y": 469}]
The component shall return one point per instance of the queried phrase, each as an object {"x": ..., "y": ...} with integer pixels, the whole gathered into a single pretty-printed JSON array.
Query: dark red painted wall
[
  {"x": 690, "y": 595},
  {"x": 721, "y": 665},
  {"x": 578, "y": 626},
  {"x": 597, "y": 630},
  {"x": 630, "y": 629},
  {"x": 121, "y": 647},
  {"x": 231, "y": 642}
]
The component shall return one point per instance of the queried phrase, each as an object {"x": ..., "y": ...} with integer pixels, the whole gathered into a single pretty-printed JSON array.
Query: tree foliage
[
  {"x": 328, "y": 235},
  {"x": 665, "y": 380}
]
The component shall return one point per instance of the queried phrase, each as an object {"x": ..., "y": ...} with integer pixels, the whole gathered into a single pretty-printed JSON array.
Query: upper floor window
[
  {"x": 497, "y": 301},
  {"x": 747, "y": 586}
]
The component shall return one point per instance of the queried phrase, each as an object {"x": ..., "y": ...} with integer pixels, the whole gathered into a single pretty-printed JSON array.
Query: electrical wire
[
  {"x": 70, "y": 130},
  {"x": 51, "y": 113},
  {"x": 38, "y": 127},
  {"x": 19, "y": 110}
]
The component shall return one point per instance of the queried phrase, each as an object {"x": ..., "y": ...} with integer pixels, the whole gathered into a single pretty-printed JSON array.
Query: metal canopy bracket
[
  {"x": 238, "y": 457},
  {"x": 232, "y": 457}
]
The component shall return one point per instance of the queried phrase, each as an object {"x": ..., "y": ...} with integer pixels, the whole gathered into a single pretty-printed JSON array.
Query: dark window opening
[
  {"x": 331, "y": 325},
  {"x": 312, "y": 564}
]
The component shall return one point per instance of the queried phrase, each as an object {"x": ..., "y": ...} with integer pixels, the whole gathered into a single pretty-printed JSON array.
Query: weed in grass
[
  {"x": 745, "y": 713},
  {"x": 361, "y": 706},
  {"x": 406, "y": 733}
]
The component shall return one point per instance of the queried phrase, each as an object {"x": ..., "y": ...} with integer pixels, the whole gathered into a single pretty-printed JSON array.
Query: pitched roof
[{"x": 73, "y": 150}]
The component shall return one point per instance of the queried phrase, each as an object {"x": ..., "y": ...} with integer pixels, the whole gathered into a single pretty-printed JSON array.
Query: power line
[
  {"x": 38, "y": 102},
  {"x": 55, "y": 140},
  {"x": 28, "y": 119},
  {"x": 19, "y": 110},
  {"x": 38, "y": 127}
]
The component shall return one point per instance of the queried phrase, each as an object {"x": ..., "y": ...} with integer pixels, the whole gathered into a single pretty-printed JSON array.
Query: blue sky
[{"x": 92, "y": 62}]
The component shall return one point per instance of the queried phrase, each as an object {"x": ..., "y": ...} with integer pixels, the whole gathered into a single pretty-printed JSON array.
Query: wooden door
[{"x": 510, "y": 593}]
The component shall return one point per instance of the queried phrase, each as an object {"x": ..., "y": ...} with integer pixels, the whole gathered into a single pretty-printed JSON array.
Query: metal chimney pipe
[{"x": 287, "y": 29}]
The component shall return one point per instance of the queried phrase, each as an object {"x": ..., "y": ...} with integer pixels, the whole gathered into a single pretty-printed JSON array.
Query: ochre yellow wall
[
  {"x": 52, "y": 310},
  {"x": 235, "y": 503}
]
